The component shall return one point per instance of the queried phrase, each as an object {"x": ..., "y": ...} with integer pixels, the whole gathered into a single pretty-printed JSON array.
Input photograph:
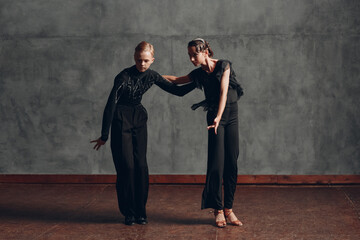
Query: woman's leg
[
  {"x": 212, "y": 194},
  {"x": 231, "y": 156}
]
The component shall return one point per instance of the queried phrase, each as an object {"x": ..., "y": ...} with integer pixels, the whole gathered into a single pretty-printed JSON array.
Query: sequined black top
[
  {"x": 129, "y": 87},
  {"x": 210, "y": 82}
]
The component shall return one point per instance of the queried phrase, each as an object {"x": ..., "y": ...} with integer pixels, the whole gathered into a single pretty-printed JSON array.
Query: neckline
[
  {"x": 216, "y": 65},
  {"x": 137, "y": 72}
]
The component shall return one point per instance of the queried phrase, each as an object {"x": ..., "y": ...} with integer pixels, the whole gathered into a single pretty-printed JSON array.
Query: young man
[{"x": 127, "y": 118}]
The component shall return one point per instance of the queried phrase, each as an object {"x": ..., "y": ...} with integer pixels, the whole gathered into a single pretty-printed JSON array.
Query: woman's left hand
[{"x": 215, "y": 125}]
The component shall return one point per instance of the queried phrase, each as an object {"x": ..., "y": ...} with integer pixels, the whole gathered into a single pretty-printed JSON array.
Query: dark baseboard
[{"x": 181, "y": 179}]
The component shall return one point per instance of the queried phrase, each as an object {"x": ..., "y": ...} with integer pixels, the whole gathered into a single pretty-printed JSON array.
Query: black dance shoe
[
  {"x": 130, "y": 220},
  {"x": 141, "y": 220}
]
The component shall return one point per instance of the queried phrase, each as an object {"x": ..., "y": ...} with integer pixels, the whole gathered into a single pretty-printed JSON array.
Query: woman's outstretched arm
[
  {"x": 177, "y": 80},
  {"x": 171, "y": 87},
  {"x": 224, "y": 86}
]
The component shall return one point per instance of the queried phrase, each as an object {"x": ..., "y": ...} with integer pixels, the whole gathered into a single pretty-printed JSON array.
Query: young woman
[
  {"x": 217, "y": 79},
  {"x": 127, "y": 118}
]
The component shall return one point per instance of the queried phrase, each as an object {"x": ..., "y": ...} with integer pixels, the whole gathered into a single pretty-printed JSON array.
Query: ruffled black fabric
[{"x": 205, "y": 105}]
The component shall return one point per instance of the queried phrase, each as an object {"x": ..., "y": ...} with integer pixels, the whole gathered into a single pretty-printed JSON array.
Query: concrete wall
[{"x": 299, "y": 62}]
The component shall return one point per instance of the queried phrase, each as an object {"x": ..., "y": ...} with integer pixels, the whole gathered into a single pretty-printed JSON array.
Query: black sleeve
[
  {"x": 111, "y": 105},
  {"x": 196, "y": 76},
  {"x": 178, "y": 90},
  {"x": 224, "y": 65}
]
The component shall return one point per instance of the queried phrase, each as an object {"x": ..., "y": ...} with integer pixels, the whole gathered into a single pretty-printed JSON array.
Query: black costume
[
  {"x": 128, "y": 118},
  {"x": 223, "y": 147}
]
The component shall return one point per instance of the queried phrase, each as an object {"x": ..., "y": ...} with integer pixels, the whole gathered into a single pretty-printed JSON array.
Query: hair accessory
[{"x": 199, "y": 39}]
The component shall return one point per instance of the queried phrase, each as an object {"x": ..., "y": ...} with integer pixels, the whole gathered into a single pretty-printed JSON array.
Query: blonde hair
[{"x": 145, "y": 46}]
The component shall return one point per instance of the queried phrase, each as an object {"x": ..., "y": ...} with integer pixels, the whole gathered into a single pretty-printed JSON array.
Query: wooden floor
[{"x": 89, "y": 211}]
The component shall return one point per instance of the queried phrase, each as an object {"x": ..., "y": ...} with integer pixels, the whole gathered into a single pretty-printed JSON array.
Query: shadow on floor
[{"x": 56, "y": 215}]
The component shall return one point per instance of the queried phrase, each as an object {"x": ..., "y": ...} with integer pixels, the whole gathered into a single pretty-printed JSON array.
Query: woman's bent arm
[{"x": 224, "y": 86}]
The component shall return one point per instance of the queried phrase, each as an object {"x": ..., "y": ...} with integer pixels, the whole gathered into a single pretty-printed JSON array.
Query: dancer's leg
[
  {"x": 141, "y": 167},
  {"x": 212, "y": 194},
  {"x": 231, "y": 156},
  {"x": 122, "y": 151}
]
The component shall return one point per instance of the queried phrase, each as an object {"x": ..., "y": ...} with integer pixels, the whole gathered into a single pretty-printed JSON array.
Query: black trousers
[
  {"x": 223, "y": 151},
  {"x": 128, "y": 147}
]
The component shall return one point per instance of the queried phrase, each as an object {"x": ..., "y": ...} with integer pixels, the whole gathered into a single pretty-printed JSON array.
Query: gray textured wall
[{"x": 298, "y": 60}]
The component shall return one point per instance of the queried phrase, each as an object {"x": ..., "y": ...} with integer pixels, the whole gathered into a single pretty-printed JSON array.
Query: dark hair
[{"x": 201, "y": 45}]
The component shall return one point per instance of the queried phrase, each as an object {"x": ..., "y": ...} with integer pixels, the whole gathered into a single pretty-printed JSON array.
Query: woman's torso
[{"x": 210, "y": 83}]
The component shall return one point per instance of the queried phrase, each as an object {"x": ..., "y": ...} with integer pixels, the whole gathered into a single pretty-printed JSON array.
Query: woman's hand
[
  {"x": 98, "y": 144},
  {"x": 215, "y": 124}
]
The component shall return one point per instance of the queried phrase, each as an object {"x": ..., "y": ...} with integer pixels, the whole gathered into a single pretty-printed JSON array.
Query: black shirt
[
  {"x": 129, "y": 87},
  {"x": 210, "y": 82}
]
